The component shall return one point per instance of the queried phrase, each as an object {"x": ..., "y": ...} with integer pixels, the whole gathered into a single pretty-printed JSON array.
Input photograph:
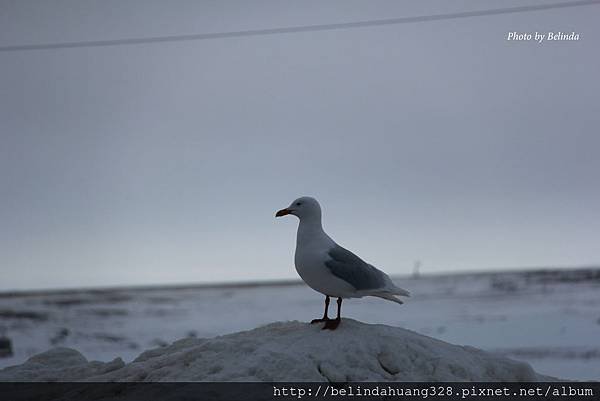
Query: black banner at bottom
[{"x": 137, "y": 391}]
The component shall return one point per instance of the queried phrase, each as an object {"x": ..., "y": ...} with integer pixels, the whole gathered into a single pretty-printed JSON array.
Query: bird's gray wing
[{"x": 352, "y": 269}]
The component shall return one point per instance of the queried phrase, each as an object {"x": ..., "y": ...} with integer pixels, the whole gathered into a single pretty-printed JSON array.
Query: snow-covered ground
[
  {"x": 288, "y": 351},
  {"x": 550, "y": 319}
]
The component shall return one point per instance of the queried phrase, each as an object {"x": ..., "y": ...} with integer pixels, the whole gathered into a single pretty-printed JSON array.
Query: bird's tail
[
  {"x": 399, "y": 291},
  {"x": 389, "y": 296}
]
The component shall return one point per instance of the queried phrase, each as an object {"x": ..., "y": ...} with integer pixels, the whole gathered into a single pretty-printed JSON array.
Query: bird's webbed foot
[
  {"x": 323, "y": 319},
  {"x": 332, "y": 324}
]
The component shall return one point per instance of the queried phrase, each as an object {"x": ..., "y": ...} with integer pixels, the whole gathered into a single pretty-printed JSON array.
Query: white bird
[{"x": 330, "y": 269}]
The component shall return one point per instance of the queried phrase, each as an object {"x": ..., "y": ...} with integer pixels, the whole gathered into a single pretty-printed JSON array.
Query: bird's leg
[
  {"x": 332, "y": 324},
  {"x": 325, "y": 318}
]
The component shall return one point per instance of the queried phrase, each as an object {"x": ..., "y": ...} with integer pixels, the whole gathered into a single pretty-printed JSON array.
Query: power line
[{"x": 296, "y": 29}]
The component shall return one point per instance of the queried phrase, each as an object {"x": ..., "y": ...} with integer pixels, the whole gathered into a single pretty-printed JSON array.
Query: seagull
[{"x": 330, "y": 269}]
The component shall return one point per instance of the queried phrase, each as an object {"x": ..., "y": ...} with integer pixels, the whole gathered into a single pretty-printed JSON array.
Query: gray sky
[{"x": 165, "y": 163}]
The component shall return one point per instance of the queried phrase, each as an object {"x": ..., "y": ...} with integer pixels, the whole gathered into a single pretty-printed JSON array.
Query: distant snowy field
[{"x": 550, "y": 319}]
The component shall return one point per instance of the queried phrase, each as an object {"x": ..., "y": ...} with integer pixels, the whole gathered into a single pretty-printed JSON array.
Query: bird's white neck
[{"x": 310, "y": 229}]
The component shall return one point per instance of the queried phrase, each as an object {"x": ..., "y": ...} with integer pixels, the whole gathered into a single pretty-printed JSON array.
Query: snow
[
  {"x": 58, "y": 364},
  {"x": 549, "y": 319},
  {"x": 288, "y": 351}
]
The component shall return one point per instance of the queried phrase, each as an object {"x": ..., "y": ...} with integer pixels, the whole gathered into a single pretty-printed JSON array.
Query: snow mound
[
  {"x": 289, "y": 351},
  {"x": 58, "y": 364}
]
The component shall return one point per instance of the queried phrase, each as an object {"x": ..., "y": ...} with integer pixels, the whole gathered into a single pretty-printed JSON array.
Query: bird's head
[{"x": 304, "y": 207}]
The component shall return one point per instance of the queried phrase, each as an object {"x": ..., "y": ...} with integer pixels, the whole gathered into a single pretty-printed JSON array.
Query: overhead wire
[{"x": 303, "y": 28}]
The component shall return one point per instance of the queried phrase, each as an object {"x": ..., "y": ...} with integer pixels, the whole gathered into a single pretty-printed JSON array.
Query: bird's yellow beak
[{"x": 283, "y": 212}]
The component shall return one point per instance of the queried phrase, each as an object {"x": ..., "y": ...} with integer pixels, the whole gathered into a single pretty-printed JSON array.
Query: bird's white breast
[{"x": 311, "y": 255}]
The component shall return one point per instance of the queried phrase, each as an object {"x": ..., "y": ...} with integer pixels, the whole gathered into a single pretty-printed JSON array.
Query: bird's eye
[{"x": 298, "y": 203}]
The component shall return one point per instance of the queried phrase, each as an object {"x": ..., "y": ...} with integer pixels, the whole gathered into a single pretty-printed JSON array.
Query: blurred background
[{"x": 139, "y": 181}]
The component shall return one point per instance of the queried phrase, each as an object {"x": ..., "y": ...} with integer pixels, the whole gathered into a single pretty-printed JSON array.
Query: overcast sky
[{"x": 164, "y": 163}]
